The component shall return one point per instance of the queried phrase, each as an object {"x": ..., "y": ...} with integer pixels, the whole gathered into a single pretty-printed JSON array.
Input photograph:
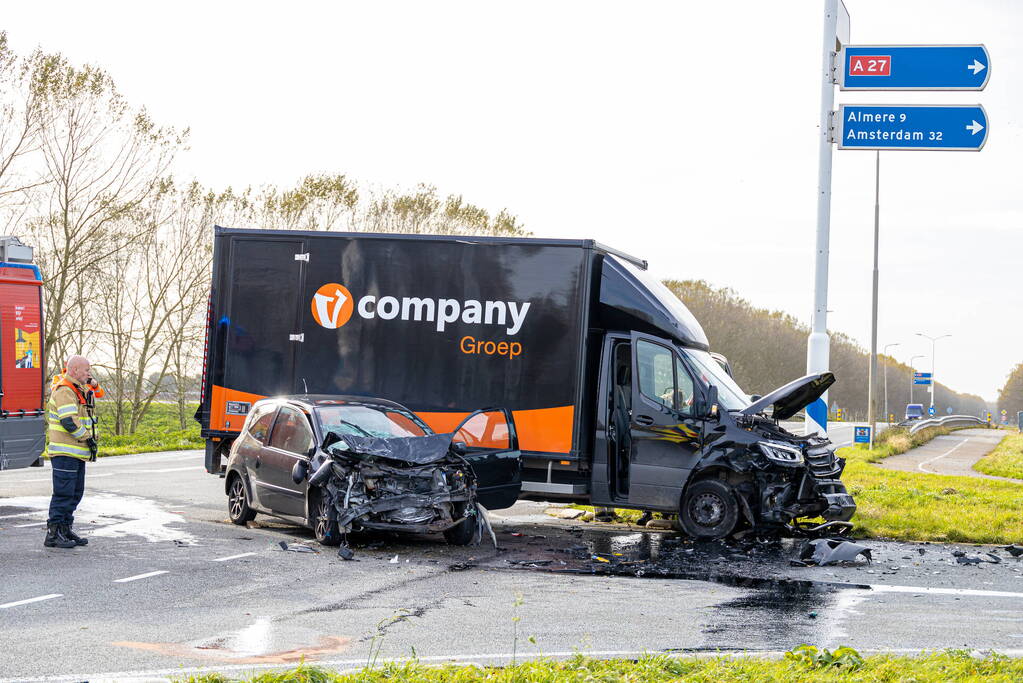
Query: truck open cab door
[
  {"x": 666, "y": 433},
  {"x": 490, "y": 445}
]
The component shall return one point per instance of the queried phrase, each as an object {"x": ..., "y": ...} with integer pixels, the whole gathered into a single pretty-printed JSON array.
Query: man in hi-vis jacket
[{"x": 71, "y": 442}]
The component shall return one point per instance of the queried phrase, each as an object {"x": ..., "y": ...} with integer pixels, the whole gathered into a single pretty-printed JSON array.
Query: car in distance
[
  {"x": 914, "y": 411},
  {"x": 348, "y": 463}
]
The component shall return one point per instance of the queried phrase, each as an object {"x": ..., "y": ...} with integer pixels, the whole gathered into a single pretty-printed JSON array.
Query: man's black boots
[
  {"x": 72, "y": 536},
  {"x": 55, "y": 537}
]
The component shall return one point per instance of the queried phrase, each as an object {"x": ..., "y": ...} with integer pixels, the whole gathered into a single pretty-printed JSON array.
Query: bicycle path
[{"x": 953, "y": 454}]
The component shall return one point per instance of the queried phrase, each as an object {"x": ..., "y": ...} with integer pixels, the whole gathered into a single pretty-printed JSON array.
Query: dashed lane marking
[
  {"x": 233, "y": 557},
  {"x": 167, "y": 469},
  {"x": 31, "y": 600},
  {"x": 22, "y": 514},
  {"x": 22, "y": 526},
  {"x": 140, "y": 576}
]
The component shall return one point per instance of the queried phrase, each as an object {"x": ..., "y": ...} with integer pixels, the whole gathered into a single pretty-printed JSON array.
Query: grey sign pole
[{"x": 872, "y": 379}]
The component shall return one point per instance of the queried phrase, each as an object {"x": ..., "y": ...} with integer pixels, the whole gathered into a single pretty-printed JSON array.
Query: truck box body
[
  {"x": 443, "y": 325},
  {"x": 22, "y": 420}
]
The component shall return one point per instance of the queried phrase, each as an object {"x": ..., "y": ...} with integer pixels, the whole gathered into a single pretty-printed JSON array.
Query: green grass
[
  {"x": 1006, "y": 460},
  {"x": 914, "y": 506},
  {"x": 159, "y": 430},
  {"x": 807, "y": 665}
]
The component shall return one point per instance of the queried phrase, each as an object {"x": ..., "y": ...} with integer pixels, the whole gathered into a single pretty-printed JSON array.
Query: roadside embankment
[
  {"x": 928, "y": 507},
  {"x": 1006, "y": 460},
  {"x": 159, "y": 430}
]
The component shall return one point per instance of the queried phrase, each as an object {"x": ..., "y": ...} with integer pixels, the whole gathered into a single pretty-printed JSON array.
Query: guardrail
[{"x": 947, "y": 421}]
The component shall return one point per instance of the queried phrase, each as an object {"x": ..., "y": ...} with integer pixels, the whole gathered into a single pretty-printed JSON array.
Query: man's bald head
[{"x": 78, "y": 368}]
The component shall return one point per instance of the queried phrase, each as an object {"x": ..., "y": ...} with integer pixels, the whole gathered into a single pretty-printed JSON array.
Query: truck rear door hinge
[
  {"x": 302, "y": 257},
  {"x": 297, "y": 337}
]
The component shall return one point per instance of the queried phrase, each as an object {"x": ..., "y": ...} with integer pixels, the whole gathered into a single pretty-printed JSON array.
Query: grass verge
[
  {"x": 1006, "y": 460},
  {"x": 806, "y": 665},
  {"x": 912, "y": 506},
  {"x": 159, "y": 430}
]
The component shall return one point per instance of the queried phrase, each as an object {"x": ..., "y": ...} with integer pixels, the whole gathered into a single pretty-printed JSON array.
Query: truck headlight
[{"x": 781, "y": 453}]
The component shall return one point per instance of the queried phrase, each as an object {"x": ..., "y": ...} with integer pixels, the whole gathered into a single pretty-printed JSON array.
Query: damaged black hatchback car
[{"x": 343, "y": 463}]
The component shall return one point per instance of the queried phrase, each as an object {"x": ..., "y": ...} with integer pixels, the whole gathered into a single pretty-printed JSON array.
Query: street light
[
  {"x": 886, "y": 413},
  {"x": 912, "y": 371},
  {"x": 933, "y": 342}
]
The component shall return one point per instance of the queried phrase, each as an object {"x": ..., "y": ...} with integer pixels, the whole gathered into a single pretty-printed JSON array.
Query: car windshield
[
  {"x": 730, "y": 396},
  {"x": 365, "y": 420}
]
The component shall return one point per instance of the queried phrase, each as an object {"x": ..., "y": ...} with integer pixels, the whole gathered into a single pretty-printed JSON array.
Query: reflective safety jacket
[{"x": 68, "y": 399}]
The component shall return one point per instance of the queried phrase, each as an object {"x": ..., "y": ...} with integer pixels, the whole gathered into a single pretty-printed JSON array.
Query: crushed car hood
[
  {"x": 793, "y": 397},
  {"x": 417, "y": 450}
]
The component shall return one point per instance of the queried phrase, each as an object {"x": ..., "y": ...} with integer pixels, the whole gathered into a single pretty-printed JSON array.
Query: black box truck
[{"x": 615, "y": 395}]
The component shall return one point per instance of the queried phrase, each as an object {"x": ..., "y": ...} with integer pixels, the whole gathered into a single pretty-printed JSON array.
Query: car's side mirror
[{"x": 754, "y": 398}]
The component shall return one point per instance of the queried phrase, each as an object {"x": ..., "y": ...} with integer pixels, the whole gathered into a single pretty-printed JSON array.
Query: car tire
[
  {"x": 708, "y": 510},
  {"x": 238, "y": 508},
  {"x": 463, "y": 532},
  {"x": 324, "y": 528}
]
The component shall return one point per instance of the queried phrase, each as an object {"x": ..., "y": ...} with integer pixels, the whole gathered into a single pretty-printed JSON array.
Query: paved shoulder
[{"x": 953, "y": 454}]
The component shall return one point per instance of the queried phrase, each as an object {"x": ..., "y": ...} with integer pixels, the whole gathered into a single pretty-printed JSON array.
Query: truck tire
[
  {"x": 238, "y": 502},
  {"x": 324, "y": 528},
  {"x": 709, "y": 510},
  {"x": 463, "y": 532}
]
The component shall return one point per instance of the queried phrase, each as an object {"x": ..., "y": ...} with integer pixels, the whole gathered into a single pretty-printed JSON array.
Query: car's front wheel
[
  {"x": 238, "y": 508},
  {"x": 463, "y": 532},
  {"x": 709, "y": 509},
  {"x": 324, "y": 527}
]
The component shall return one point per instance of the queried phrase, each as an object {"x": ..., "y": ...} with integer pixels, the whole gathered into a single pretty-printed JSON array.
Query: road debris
[
  {"x": 825, "y": 551},
  {"x": 297, "y": 548},
  {"x": 345, "y": 553}
]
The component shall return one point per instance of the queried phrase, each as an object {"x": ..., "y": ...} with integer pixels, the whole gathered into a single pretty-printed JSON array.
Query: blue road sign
[
  {"x": 861, "y": 434},
  {"x": 921, "y": 374},
  {"x": 914, "y": 67},
  {"x": 930, "y": 411},
  {"x": 925, "y": 381},
  {"x": 911, "y": 126}
]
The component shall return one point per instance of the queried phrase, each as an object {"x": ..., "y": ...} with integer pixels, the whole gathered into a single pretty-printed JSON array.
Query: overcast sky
[{"x": 682, "y": 132}]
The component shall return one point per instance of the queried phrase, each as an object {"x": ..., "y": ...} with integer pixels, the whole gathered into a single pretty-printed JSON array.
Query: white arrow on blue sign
[
  {"x": 952, "y": 127},
  {"x": 914, "y": 67}
]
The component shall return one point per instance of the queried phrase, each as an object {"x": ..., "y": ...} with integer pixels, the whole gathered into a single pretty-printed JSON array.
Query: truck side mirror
[{"x": 710, "y": 403}]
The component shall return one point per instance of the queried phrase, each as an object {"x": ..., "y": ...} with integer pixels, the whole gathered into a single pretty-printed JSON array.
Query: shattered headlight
[{"x": 781, "y": 453}]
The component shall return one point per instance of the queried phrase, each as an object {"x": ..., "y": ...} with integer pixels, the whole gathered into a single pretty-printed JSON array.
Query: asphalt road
[
  {"x": 953, "y": 454},
  {"x": 168, "y": 586}
]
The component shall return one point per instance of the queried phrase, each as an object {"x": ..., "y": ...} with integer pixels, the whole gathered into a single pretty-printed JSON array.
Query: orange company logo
[{"x": 332, "y": 305}]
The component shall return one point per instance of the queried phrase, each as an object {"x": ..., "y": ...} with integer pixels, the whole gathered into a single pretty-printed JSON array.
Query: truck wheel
[
  {"x": 463, "y": 532},
  {"x": 238, "y": 503},
  {"x": 708, "y": 510},
  {"x": 325, "y": 528}
]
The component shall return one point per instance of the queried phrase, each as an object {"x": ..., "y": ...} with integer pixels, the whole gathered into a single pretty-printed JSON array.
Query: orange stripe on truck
[
  {"x": 219, "y": 396},
  {"x": 546, "y": 430}
]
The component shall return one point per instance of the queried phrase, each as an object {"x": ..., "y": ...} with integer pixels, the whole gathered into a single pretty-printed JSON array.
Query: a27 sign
[
  {"x": 870, "y": 65},
  {"x": 913, "y": 67}
]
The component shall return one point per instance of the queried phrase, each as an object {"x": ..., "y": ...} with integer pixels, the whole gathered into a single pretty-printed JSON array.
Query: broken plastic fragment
[
  {"x": 824, "y": 551},
  {"x": 393, "y": 560},
  {"x": 296, "y": 548},
  {"x": 345, "y": 553}
]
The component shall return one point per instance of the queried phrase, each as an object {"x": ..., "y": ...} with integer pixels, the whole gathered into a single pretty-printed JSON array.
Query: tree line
[
  {"x": 125, "y": 247},
  {"x": 766, "y": 349}
]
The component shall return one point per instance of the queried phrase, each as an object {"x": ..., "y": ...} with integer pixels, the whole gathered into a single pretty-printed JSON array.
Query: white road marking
[
  {"x": 22, "y": 514},
  {"x": 232, "y": 557},
  {"x": 168, "y": 469},
  {"x": 88, "y": 476},
  {"x": 22, "y": 526},
  {"x": 31, "y": 600},
  {"x": 140, "y": 576},
  {"x": 923, "y": 590},
  {"x": 920, "y": 466}
]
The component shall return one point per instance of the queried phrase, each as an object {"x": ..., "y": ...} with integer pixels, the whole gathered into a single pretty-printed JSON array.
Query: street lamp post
[
  {"x": 912, "y": 370},
  {"x": 886, "y": 413},
  {"x": 933, "y": 342}
]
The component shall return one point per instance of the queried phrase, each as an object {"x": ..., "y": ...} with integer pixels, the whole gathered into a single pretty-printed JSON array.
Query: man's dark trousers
[{"x": 68, "y": 488}]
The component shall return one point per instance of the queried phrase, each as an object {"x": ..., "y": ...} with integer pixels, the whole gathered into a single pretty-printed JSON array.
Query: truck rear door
[
  {"x": 492, "y": 449},
  {"x": 259, "y": 326}
]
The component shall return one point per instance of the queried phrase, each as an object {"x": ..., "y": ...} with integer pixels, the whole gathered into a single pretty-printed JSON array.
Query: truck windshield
[
  {"x": 730, "y": 396},
  {"x": 363, "y": 420}
]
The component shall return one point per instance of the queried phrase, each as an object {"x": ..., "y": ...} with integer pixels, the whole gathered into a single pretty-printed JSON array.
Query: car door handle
[{"x": 645, "y": 420}]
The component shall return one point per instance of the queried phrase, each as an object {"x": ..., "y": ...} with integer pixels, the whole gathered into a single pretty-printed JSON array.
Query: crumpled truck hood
[{"x": 793, "y": 397}]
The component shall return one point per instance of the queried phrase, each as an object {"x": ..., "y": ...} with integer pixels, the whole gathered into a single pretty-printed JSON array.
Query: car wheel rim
[
  {"x": 237, "y": 499},
  {"x": 707, "y": 509},
  {"x": 322, "y": 522}
]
